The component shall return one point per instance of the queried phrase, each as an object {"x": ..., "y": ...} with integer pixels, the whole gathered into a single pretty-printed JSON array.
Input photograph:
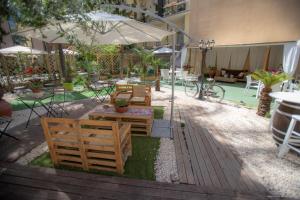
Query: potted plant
[
  {"x": 268, "y": 79},
  {"x": 68, "y": 84},
  {"x": 212, "y": 71},
  {"x": 6, "y": 109},
  {"x": 36, "y": 85},
  {"x": 121, "y": 105}
]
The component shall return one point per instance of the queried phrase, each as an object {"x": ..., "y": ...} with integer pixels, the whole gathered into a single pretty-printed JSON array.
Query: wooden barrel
[{"x": 281, "y": 121}]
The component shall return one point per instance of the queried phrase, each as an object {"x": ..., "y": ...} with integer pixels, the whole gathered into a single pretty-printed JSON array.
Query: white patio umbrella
[
  {"x": 21, "y": 49},
  {"x": 97, "y": 28},
  {"x": 164, "y": 50}
]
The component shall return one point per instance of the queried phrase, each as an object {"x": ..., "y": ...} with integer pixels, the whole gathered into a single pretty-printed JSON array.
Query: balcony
[{"x": 175, "y": 7}]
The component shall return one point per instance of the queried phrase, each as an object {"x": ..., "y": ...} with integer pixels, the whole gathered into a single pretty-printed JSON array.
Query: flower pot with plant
[
  {"x": 121, "y": 105},
  {"x": 212, "y": 71},
  {"x": 268, "y": 79},
  {"x": 6, "y": 109},
  {"x": 68, "y": 84},
  {"x": 36, "y": 85}
]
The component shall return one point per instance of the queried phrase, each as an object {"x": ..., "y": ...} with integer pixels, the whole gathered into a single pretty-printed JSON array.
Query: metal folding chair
[
  {"x": 286, "y": 145},
  {"x": 6, "y": 122}
]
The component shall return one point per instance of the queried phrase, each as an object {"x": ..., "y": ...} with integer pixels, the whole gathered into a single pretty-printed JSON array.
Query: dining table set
[{"x": 53, "y": 97}]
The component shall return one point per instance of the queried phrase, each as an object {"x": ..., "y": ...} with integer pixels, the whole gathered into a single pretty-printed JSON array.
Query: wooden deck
[
  {"x": 204, "y": 159},
  {"x": 20, "y": 182}
]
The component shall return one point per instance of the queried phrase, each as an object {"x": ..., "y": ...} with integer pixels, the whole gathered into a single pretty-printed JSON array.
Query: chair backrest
[
  {"x": 164, "y": 72},
  {"x": 139, "y": 91},
  {"x": 249, "y": 79},
  {"x": 123, "y": 88},
  {"x": 277, "y": 87},
  {"x": 87, "y": 144}
]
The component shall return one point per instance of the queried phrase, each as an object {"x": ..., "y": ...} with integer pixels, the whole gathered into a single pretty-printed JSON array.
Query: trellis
[{"x": 109, "y": 64}]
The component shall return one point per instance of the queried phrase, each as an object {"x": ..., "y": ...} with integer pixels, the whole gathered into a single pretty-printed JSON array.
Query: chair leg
[
  {"x": 8, "y": 135},
  {"x": 284, "y": 146}
]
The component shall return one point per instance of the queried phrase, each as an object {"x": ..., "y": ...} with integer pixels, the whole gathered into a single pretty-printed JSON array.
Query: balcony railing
[{"x": 175, "y": 7}]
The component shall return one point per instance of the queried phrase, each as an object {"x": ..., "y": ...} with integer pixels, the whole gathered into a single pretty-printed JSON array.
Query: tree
[
  {"x": 268, "y": 79},
  {"x": 37, "y": 13}
]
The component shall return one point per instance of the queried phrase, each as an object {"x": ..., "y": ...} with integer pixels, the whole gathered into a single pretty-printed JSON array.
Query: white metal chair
[
  {"x": 164, "y": 74},
  {"x": 251, "y": 83},
  {"x": 285, "y": 146},
  {"x": 182, "y": 76}
]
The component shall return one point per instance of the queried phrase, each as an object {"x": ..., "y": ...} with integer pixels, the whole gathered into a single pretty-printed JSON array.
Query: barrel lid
[{"x": 292, "y": 97}]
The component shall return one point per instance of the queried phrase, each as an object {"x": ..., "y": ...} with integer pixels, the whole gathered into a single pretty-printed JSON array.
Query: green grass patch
[
  {"x": 140, "y": 165},
  {"x": 70, "y": 96},
  {"x": 158, "y": 112}
]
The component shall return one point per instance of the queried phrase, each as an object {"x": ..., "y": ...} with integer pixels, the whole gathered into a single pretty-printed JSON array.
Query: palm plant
[
  {"x": 146, "y": 58},
  {"x": 268, "y": 79}
]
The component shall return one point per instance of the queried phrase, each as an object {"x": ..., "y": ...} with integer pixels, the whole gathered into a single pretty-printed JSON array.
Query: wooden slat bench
[
  {"x": 128, "y": 89},
  {"x": 88, "y": 144}
]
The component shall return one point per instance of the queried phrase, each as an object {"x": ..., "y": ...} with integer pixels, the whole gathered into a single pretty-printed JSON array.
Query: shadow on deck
[{"x": 205, "y": 159}]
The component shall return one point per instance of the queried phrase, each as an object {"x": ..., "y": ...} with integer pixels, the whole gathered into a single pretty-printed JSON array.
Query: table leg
[{"x": 31, "y": 111}]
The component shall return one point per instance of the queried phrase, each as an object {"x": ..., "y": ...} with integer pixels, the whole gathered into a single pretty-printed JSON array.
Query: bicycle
[{"x": 211, "y": 90}]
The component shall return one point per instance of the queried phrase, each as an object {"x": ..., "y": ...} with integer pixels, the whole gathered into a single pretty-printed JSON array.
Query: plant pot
[
  {"x": 6, "y": 109},
  {"x": 68, "y": 86},
  {"x": 121, "y": 109},
  {"x": 36, "y": 90},
  {"x": 212, "y": 73}
]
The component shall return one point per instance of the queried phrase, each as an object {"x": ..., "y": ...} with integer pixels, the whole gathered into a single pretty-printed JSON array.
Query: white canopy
[
  {"x": 98, "y": 28},
  {"x": 68, "y": 52},
  {"x": 21, "y": 49},
  {"x": 291, "y": 55},
  {"x": 163, "y": 50}
]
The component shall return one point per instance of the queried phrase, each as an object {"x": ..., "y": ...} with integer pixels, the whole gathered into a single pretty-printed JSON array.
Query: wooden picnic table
[{"x": 140, "y": 117}]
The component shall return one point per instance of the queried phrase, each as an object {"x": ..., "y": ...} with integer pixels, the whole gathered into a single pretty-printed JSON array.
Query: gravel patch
[{"x": 165, "y": 165}]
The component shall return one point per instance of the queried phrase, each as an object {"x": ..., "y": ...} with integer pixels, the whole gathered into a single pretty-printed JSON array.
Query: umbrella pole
[
  {"x": 173, "y": 85},
  {"x": 62, "y": 60}
]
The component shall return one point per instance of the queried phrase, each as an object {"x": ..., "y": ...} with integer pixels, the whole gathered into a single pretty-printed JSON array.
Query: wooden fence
[{"x": 88, "y": 144}]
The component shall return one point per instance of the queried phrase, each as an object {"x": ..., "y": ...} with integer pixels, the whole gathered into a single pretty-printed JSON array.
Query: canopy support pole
[
  {"x": 173, "y": 85},
  {"x": 62, "y": 60}
]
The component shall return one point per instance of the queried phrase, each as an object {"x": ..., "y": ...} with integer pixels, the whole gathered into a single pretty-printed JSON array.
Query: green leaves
[{"x": 269, "y": 79}]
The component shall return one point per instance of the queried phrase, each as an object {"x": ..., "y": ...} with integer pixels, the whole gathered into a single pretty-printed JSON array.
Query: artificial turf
[{"x": 140, "y": 165}]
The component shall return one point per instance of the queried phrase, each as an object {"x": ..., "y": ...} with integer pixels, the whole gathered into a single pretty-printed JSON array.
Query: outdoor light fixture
[{"x": 204, "y": 47}]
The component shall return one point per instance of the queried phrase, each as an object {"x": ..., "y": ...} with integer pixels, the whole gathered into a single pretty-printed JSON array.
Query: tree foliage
[
  {"x": 37, "y": 13},
  {"x": 269, "y": 79}
]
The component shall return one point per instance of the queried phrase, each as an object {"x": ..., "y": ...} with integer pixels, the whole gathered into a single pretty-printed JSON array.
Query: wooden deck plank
[
  {"x": 42, "y": 181},
  {"x": 186, "y": 156},
  {"x": 213, "y": 162},
  {"x": 178, "y": 153},
  {"x": 198, "y": 161},
  {"x": 208, "y": 148},
  {"x": 247, "y": 174},
  {"x": 226, "y": 160},
  {"x": 239, "y": 174}
]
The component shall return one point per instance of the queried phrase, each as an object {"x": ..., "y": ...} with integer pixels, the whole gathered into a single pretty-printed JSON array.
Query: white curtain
[
  {"x": 183, "y": 57},
  {"x": 223, "y": 57},
  {"x": 211, "y": 58},
  {"x": 257, "y": 57},
  {"x": 291, "y": 54},
  {"x": 275, "y": 61},
  {"x": 238, "y": 57}
]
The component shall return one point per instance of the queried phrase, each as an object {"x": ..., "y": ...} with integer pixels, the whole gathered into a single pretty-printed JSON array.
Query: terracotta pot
[
  {"x": 5, "y": 109},
  {"x": 35, "y": 90},
  {"x": 121, "y": 109}
]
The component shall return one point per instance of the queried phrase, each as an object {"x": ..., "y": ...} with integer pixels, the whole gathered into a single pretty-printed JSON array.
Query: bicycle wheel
[
  {"x": 191, "y": 89},
  {"x": 215, "y": 93}
]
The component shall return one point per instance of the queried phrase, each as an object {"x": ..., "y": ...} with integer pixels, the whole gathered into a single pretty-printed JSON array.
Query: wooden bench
[
  {"x": 88, "y": 144},
  {"x": 129, "y": 89}
]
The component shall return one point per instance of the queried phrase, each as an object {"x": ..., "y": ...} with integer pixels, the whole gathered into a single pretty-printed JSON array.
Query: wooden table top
[{"x": 133, "y": 112}]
